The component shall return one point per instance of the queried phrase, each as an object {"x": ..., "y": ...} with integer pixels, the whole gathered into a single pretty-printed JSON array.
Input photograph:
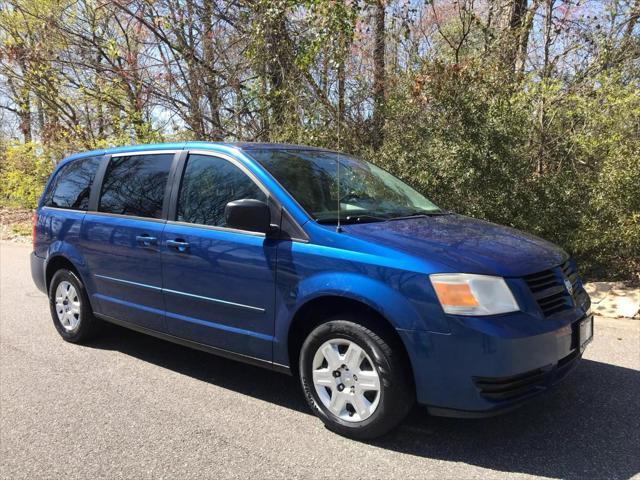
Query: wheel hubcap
[
  {"x": 345, "y": 380},
  {"x": 67, "y": 306}
]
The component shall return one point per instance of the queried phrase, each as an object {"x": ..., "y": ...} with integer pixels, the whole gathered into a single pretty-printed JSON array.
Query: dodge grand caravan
[{"x": 313, "y": 263}]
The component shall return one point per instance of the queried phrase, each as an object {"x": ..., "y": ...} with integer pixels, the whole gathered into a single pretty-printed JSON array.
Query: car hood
[{"x": 463, "y": 244}]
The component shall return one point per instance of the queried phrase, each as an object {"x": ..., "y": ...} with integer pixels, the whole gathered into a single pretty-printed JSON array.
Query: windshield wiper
[
  {"x": 364, "y": 218},
  {"x": 351, "y": 219},
  {"x": 367, "y": 218},
  {"x": 420, "y": 213}
]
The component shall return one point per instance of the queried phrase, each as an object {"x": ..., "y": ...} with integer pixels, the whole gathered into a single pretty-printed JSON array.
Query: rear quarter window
[{"x": 71, "y": 186}]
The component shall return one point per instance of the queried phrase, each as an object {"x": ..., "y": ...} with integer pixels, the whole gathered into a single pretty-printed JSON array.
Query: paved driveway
[{"x": 131, "y": 406}]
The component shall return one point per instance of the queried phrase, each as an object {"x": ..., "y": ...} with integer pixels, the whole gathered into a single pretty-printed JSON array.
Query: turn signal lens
[
  {"x": 469, "y": 294},
  {"x": 456, "y": 295}
]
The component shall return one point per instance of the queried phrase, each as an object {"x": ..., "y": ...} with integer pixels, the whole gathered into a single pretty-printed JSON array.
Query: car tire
[
  {"x": 70, "y": 309},
  {"x": 354, "y": 379}
]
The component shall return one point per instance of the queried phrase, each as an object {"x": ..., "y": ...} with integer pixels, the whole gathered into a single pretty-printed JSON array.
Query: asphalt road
[{"x": 131, "y": 406}]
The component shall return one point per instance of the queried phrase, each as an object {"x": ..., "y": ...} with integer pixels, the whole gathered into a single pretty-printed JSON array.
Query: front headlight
[{"x": 469, "y": 294}]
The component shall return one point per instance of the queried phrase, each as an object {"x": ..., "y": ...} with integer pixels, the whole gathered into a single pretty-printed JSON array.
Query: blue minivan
[{"x": 313, "y": 263}]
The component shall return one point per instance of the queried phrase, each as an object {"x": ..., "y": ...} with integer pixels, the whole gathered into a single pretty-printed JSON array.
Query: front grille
[
  {"x": 528, "y": 383},
  {"x": 506, "y": 388},
  {"x": 550, "y": 292}
]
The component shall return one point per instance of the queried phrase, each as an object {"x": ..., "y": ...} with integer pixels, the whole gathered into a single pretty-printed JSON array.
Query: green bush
[
  {"x": 24, "y": 169},
  {"x": 570, "y": 174}
]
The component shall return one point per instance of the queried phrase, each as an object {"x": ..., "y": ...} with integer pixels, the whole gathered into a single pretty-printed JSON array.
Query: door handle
[
  {"x": 180, "y": 245},
  {"x": 146, "y": 240}
]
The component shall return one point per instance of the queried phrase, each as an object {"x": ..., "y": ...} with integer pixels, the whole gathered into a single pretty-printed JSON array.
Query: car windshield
[{"x": 367, "y": 193}]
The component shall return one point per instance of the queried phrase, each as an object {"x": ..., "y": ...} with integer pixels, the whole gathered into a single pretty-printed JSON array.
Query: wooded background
[{"x": 523, "y": 112}]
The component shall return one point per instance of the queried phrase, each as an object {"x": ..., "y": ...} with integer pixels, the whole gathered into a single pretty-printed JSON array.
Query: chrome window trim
[
  {"x": 143, "y": 152},
  {"x": 123, "y": 215},
  {"x": 214, "y": 227},
  {"x": 63, "y": 209}
]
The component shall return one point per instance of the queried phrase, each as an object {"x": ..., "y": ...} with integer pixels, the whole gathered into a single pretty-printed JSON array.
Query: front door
[
  {"x": 121, "y": 241},
  {"x": 218, "y": 282}
]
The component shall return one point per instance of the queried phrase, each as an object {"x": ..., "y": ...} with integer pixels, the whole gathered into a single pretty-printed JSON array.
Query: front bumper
[{"x": 470, "y": 373}]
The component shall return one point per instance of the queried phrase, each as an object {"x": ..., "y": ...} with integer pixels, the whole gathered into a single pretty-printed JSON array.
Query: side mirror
[{"x": 248, "y": 214}]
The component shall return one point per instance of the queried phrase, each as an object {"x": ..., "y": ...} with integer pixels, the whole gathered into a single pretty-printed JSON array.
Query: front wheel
[{"x": 354, "y": 380}]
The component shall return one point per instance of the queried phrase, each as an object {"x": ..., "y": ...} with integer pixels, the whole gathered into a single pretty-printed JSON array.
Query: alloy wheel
[
  {"x": 346, "y": 380},
  {"x": 67, "y": 306}
]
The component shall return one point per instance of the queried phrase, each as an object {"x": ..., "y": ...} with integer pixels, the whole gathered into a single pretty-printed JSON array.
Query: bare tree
[{"x": 379, "y": 73}]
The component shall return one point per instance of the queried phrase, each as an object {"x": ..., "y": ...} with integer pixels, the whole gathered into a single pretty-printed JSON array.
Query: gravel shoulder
[{"x": 16, "y": 224}]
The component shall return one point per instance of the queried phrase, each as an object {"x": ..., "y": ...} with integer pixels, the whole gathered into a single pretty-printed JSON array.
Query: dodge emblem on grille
[{"x": 567, "y": 283}]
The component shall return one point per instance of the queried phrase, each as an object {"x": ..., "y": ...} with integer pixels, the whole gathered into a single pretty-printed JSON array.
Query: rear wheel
[
  {"x": 354, "y": 380},
  {"x": 70, "y": 309}
]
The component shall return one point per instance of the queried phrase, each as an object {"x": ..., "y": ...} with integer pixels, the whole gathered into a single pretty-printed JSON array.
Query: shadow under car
[{"x": 589, "y": 428}]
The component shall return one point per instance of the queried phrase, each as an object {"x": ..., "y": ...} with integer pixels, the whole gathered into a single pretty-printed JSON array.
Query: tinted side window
[
  {"x": 71, "y": 186},
  {"x": 135, "y": 185},
  {"x": 208, "y": 184}
]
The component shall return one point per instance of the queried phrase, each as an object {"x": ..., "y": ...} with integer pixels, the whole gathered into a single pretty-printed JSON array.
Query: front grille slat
[
  {"x": 503, "y": 388},
  {"x": 538, "y": 288},
  {"x": 558, "y": 304},
  {"x": 550, "y": 292},
  {"x": 542, "y": 280},
  {"x": 549, "y": 289},
  {"x": 527, "y": 383},
  {"x": 558, "y": 309}
]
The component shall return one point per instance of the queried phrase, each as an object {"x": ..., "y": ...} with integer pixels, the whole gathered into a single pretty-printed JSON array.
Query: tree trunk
[
  {"x": 523, "y": 38},
  {"x": 24, "y": 114},
  {"x": 278, "y": 67},
  {"x": 547, "y": 40},
  {"x": 22, "y": 98},
  {"x": 379, "y": 75},
  {"x": 210, "y": 80},
  {"x": 512, "y": 16},
  {"x": 545, "y": 74},
  {"x": 634, "y": 15}
]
